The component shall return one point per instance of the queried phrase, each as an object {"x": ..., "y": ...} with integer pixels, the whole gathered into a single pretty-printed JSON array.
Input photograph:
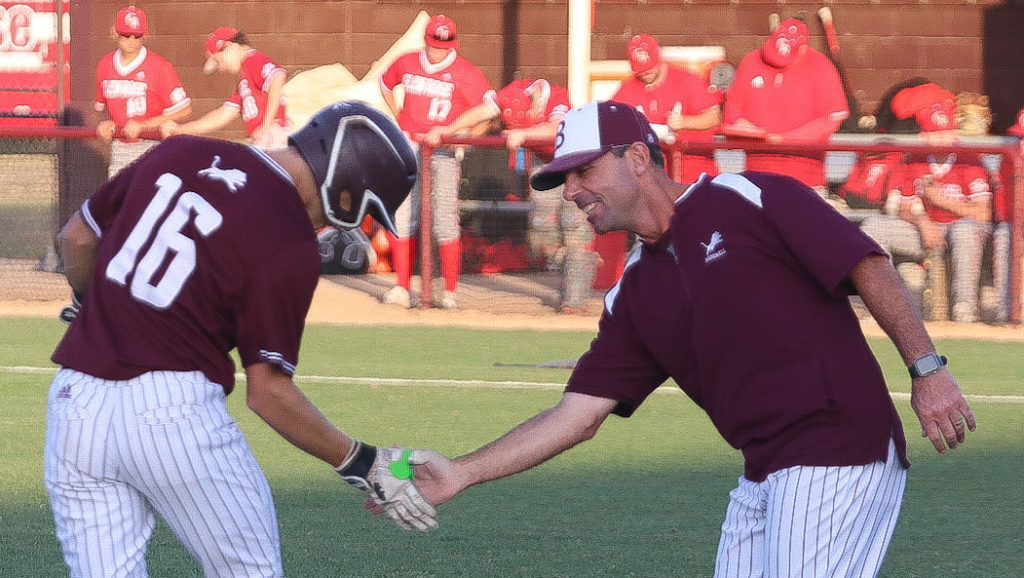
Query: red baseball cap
[
  {"x": 644, "y": 53},
  {"x": 1018, "y": 127},
  {"x": 441, "y": 32},
  {"x": 589, "y": 131},
  {"x": 215, "y": 43},
  {"x": 515, "y": 104},
  {"x": 131, "y": 21},
  {"x": 933, "y": 107}
]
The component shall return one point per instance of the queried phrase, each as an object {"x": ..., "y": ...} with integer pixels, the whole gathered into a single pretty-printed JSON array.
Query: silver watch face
[{"x": 927, "y": 365}]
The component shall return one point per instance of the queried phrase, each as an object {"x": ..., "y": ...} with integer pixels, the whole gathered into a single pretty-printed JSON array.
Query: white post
[{"x": 579, "y": 51}]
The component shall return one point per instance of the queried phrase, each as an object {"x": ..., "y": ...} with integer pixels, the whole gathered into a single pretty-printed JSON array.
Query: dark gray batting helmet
[{"x": 361, "y": 162}]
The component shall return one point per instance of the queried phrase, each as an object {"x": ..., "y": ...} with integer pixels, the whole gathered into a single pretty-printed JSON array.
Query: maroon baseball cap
[
  {"x": 589, "y": 131},
  {"x": 131, "y": 21},
  {"x": 441, "y": 32}
]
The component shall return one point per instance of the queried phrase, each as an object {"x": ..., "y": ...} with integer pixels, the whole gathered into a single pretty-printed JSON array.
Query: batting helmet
[{"x": 361, "y": 162}]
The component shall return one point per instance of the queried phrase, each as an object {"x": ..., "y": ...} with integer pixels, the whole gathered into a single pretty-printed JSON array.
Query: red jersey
[
  {"x": 963, "y": 181},
  {"x": 251, "y": 95},
  {"x": 779, "y": 100},
  {"x": 557, "y": 99},
  {"x": 679, "y": 89},
  {"x": 145, "y": 88},
  {"x": 204, "y": 246},
  {"x": 435, "y": 94},
  {"x": 746, "y": 258}
]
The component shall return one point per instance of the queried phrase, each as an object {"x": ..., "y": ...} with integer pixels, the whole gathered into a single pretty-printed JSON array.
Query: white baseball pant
[
  {"x": 813, "y": 521},
  {"x": 119, "y": 452},
  {"x": 123, "y": 153},
  {"x": 445, "y": 176}
]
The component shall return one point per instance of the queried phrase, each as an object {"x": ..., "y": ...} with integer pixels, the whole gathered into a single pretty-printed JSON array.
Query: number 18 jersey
[{"x": 204, "y": 246}]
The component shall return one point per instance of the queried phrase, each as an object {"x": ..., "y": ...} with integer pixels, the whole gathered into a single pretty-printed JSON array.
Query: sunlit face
[
  {"x": 229, "y": 59},
  {"x": 604, "y": 191},
  {"x": 130, "y": 44}
]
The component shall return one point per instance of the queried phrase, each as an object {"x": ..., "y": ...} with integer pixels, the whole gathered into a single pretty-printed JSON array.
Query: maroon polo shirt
[{"x": 744, "y": 304}]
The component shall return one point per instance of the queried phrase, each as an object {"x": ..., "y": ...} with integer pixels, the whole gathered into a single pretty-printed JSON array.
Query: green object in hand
[{"x": 400, "y": 468}]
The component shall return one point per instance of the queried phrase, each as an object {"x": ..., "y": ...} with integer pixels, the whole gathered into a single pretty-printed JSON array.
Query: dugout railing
[
  {"x": 1007, "y": 149},
  {"x": 844, "y": 149}
]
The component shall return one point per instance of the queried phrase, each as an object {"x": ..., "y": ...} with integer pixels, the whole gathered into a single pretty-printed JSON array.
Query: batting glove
[
  {"x": 386, "y": 475},
  {"x": 70, "y": 313}
]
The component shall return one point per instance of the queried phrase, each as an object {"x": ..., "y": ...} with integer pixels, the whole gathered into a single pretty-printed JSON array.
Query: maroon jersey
[
  {"x": 204, "y": 246},
  {"x": 744, "y": 304}
]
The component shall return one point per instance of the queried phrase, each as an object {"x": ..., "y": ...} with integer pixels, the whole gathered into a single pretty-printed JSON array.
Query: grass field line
[{"x": 670, "y": 389}]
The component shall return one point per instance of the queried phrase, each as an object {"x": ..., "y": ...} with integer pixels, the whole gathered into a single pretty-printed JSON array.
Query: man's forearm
[{"x": 885, "y": 296}]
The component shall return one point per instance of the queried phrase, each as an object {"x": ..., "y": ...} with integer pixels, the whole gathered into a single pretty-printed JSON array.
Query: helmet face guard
[{"x": 361, "y": 162}]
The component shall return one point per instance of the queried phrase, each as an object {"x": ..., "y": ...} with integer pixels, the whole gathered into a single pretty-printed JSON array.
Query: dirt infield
[{"x": 524, "y": 301}]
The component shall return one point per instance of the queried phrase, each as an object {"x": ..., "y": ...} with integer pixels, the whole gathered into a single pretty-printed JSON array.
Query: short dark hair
[
  {"x": 241, "y": 38},
  {"x": 657, "y": 158}
]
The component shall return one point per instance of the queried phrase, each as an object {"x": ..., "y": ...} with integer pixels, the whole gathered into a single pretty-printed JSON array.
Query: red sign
[{"x": 29, "y": 60}]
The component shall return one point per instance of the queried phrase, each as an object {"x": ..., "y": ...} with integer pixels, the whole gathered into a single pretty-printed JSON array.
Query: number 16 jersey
[{"x": 204, "y": 246}]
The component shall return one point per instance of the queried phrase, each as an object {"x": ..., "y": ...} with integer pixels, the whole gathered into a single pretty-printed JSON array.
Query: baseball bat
[
  {"x": 832, "y": 37},
  {"x": 559, "y": 364},
  {"x": 773, "y": 22}
]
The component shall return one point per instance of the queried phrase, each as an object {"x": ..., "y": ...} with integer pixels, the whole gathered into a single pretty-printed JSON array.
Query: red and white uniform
[
  {"x": 679, "y": 89},
  {"x": 779, "y": 100},
  {"x": 556, "y": 97},
  {"x": 146, "y": 87},
  {"x": 435, "y": 94},
  {"x": 250, "y": 97},
  {"x": 958, "y": 181}
]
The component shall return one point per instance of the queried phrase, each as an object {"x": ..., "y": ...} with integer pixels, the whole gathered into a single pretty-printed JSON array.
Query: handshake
[{"x": 386, "y": 475}]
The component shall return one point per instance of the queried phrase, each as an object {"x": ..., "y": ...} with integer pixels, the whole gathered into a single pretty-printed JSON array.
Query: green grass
[{"x": 644, "y": 498}]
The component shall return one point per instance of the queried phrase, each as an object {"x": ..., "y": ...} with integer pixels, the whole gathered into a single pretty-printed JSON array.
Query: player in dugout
[
  {"x": 258, "y": 98},
  {"x": 559, "y": 232},
  {"x": 137, "y": 88},
  {"x": 200, "y": 247},
  {"x": 825, "y": 458}
]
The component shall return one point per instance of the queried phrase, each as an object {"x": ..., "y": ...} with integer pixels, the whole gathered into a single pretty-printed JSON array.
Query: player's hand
[
  {"x": 105, "y": 130},
  {"x": 132, "y": 129},
  {"x": 70, "y": 313},
  {"x": 435, "y": 477},
  {"x": 514, "y": 138},
  {"x": 942, "y": 409},
  {"x": 433, "y": 136},
  {"x": 386, "y": 475},
  {"x": 169, "y": 128}
]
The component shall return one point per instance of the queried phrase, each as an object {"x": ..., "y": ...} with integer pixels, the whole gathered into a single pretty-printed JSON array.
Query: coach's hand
[
  {"x": 386, "y": 475},
  {"x": 942, "y": 409}
]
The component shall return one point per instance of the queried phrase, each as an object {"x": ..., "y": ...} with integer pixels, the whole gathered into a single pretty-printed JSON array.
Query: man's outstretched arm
[{"x": 575, "y": 419}]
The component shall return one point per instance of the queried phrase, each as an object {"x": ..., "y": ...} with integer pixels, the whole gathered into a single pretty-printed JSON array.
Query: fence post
[{"x": 426, "y": 228}]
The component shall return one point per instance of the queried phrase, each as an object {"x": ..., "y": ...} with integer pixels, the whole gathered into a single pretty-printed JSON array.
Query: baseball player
[
  {"x": 675, "y": 101},
  {"x": 201, "y": 247},
  {"x": 786, "y": 90},
  {"x": 739, "y": 293},
  {"x": 259, "y": 97},
  {"x": 937, "y": 202},
  {"x": 439, "y": 85},
  {"x": 137, "y": 88},
  {"x": 532, "y": 109}
]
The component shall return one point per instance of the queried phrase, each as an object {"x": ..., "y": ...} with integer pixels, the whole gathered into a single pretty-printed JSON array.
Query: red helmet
[
  {"x": 515, "y": 105},
  {"x": 361, "y": 161},
  {"x": 787, "y": 41}
]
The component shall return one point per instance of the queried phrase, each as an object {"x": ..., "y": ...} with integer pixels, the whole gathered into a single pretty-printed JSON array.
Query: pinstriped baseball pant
[
  {"x": 812, "y": 521},
  {"x": 118, "y": 453}
]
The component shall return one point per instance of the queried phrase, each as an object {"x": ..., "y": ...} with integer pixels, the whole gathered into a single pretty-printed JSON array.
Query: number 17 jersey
[{"x": 204, "y": 246}]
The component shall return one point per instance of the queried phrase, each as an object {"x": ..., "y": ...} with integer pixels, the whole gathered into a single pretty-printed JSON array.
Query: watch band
[{"x": 927, "y": 365}]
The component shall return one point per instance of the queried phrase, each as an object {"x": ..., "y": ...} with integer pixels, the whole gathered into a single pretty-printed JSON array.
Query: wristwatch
[{"x": 927, "y": 364}]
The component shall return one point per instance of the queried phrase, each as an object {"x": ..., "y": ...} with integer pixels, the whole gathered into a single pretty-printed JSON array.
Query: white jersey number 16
[{"x": 167, "y": 238}]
